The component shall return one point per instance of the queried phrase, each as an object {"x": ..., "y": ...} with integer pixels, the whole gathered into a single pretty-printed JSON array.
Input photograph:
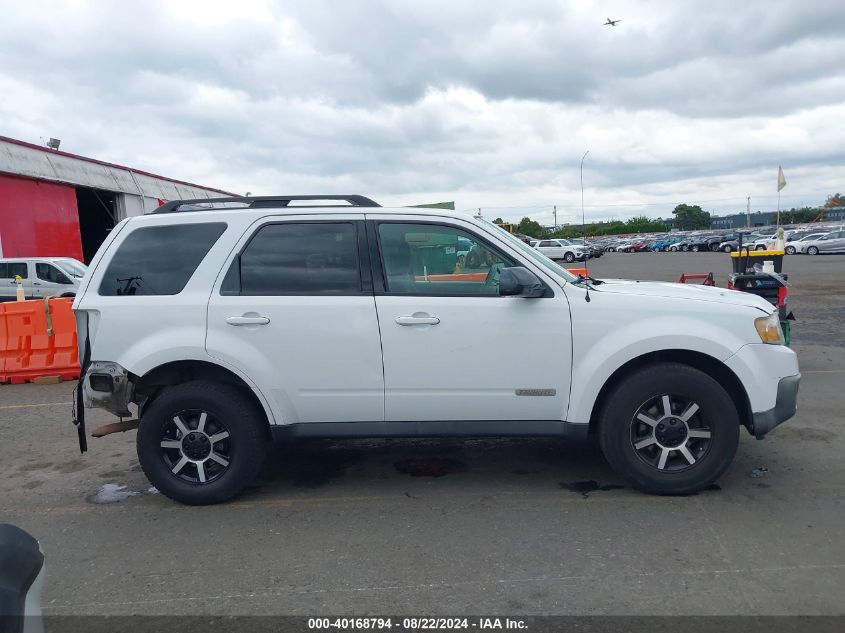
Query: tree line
[{"x": 687, "y": 218}]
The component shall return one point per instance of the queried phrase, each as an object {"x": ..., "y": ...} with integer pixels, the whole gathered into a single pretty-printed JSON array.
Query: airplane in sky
[{"x": 611, "y": 22}]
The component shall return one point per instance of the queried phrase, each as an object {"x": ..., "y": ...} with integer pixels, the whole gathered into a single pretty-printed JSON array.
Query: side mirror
[{"x": 517, "y": 281}]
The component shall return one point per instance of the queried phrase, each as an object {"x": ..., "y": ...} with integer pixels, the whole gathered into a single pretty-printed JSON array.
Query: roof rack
[{"x": 259, "y": 202}]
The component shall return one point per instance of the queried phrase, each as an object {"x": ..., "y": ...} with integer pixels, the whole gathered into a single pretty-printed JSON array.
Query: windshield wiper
[{"x": 582, "y": 278}]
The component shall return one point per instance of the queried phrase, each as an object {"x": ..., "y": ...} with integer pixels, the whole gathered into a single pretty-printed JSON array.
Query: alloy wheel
[
  {"x": 668, "y": 433},
  {"x": 196, "y": 446}
]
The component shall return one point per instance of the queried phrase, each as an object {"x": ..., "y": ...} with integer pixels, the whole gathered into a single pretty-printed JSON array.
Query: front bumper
[
  {"x": 770, "y": 376},
  {"x": 785, "y": 407}
]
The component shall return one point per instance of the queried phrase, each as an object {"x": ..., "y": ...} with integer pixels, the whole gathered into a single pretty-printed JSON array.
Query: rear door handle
[
  {"x": 247, "y": 320},
  {"x": 417, "y": 319}
]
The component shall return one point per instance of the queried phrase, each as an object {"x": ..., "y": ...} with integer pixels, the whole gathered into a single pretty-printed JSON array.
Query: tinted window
[
  {"x": 424, "y": 259},
  {"x": 159, "y": 260},
  {"x": 10, "y": 269},
  {"x": 298, "y": 259},
  {"x": 50, "y": 273}
]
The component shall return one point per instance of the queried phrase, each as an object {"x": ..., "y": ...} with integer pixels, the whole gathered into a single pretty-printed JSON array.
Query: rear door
[
  {"x": 293, "y": 309},
  {"x": 551, "y": 249},
  {"x": 455, "y": 350}
]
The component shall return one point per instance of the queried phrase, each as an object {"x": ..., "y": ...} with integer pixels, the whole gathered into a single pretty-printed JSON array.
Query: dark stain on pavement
[
  {"x": 309, "y": 467},
  {"x": 584, "y": 488},
  {"x": 429, "y": 466}
]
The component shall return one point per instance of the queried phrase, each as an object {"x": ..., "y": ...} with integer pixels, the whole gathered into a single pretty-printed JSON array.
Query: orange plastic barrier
[
  {"x": 579, "y": 271},
  {"x": 38, "y": 338}
]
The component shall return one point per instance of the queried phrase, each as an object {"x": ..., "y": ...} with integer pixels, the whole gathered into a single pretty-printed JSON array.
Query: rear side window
[
  {"x": 8, "y": 270},
  {"x": 159, "y": 260},
  {"x": 297, "y": 258}
]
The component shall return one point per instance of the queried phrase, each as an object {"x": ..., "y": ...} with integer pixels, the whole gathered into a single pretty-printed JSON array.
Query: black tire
[
  {"x": 244, "y": 446},
  {"x": 714, "y": 248},
  {"x": 684, "y": 248},
  {"x": 812, "y": 250},
  {"x": 759, "y": 247},
  {"x": 674, "y": 249},
  {"x": 67, "y": 295},
  {"x": 789, "y": 250},
  {"x": 716, "y": 414},
  {"x": 727, "y": 248},
  {"x": 694, "y": 248},
  {"x": 569, "y": 257}
]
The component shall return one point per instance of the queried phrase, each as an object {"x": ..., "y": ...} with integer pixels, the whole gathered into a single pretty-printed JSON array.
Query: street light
[{"x": 583, "y": 221}]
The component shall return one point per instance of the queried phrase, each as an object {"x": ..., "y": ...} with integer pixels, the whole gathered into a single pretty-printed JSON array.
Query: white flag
[{"x": 781, "y": 179}]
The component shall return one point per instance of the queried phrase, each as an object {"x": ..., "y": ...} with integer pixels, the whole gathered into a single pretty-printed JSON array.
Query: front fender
[{"x": 605, "y": 340}]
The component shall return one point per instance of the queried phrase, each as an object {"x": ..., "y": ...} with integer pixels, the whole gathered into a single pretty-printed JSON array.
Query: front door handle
[
  {"x": 247, "y": 320},
  {"x": 418, "y": 318}
]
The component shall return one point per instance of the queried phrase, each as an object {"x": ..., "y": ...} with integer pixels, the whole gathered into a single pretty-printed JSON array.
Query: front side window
[
  {"x": 431, "y": 259},
  {"x": 48, "y": 272},
  {"x": 159, "y": 260},
  {"x": 297, "y": 258}
]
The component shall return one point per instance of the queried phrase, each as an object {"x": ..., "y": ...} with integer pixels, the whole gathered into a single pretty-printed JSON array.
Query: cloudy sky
[{"x": 490, "y": 104}]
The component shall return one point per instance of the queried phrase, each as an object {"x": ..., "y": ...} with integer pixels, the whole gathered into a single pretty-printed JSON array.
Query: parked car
[
  {"x": 695, "y": 243},
  {"x": 593, "y": 249},
  {"x": 732, "y": 244},
  {"x": 833, "y": 242},
  {"x": 279, "y": 322},
  {"x": 794, "y": 246},
  {"x": 40, "y": 277},
  {"x": 562, "y": 249}
]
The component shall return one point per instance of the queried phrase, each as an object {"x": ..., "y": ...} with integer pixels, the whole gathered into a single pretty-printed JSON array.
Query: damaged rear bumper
[{"x": 108, "y": 386}]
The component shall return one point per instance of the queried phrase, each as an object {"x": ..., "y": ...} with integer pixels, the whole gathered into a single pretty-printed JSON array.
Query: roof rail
[{"x": 260, "y": 202}]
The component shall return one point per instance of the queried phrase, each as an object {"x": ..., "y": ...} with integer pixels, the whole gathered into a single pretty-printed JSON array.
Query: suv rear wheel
[
  {"x": 669, "y": 429},
  {"x": 201, "y": 442},
  {"x": 569, "y": 257}
]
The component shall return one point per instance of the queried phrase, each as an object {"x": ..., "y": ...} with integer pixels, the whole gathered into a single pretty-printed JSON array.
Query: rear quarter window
[{"x": 159, "y": 260}]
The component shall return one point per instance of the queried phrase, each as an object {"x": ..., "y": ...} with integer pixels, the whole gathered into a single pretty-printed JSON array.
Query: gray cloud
[{"x": 489, "y": 103}]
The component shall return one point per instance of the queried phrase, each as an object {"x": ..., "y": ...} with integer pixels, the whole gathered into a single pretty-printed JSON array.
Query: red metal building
[{"x": 58, "y": 204}]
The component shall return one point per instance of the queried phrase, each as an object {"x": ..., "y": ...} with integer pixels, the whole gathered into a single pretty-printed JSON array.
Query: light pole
[{"x": 583, "y": 221}]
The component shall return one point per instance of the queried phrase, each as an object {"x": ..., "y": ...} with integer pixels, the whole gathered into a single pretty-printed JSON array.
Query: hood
[{"x": 695, "y": 292}]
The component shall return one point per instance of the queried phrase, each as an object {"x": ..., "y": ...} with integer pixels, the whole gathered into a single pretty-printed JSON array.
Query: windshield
[
  {"x": 533, "y": 253},
  {"x": 73, "y": 267}
]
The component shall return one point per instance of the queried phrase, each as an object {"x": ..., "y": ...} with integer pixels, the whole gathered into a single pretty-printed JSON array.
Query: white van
[{"x": 40, "y": 277}]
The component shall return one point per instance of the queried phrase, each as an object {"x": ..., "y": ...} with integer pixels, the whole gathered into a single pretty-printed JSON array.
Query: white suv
[
  {"x": 562, "y": 249},
  {"x": 229, "y": 327}
]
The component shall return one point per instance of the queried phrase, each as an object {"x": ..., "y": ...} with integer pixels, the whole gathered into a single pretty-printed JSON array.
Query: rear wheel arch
[
  {"x": 151, "y": 384},
  {"x": 708, "y": 364}
]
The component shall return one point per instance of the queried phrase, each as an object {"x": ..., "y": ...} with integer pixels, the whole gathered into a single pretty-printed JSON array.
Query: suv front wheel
[
  {"x": 201, "y": 442},
  {"x": 669, "y": 429}
]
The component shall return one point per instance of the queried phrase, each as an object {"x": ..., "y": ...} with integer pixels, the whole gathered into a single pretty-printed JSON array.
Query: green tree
[
  {"x": 642, "y": 224},
  {"x": 527, "y": 226},
  {"x": 691, "y": 217}
]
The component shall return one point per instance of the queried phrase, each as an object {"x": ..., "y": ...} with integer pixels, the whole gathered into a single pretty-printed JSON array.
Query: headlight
[{"x": 768, "y": 327}]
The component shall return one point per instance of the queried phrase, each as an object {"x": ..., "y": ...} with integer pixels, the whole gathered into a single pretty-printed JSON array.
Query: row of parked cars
[{"x": 807, "y": 240}]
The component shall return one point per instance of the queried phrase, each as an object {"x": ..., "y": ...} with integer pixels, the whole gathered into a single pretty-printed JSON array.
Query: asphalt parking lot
[{"x": 433, "y": 527}]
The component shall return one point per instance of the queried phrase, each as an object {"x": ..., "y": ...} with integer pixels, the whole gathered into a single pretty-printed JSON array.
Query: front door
[
  {"x": 453, "y": 348},
  {"x": 295, "y": 313},
  {"x": 49, "y": 281}
]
